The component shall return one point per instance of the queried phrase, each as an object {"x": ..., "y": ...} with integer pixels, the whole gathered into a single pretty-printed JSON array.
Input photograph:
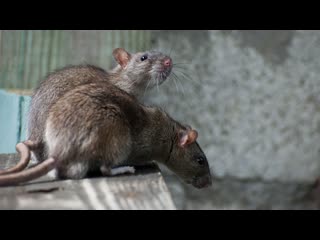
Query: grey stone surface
[
  {"x": 254, "y": 98},
  {"x": 235, "y": 194}
]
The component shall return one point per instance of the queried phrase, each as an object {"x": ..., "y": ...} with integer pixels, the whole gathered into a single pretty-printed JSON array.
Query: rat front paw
[
  {"x": 122, "y": 170},
  {"x": 105, "y": 171}
]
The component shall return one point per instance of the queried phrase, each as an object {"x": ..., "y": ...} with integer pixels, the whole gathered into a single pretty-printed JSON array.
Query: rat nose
[{"x": 167, "y": 62}]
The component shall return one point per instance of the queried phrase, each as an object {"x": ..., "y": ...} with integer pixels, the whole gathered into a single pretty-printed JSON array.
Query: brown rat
[
  {"x": 135, "y": 73},
  {"x": 98, "y": 126}
]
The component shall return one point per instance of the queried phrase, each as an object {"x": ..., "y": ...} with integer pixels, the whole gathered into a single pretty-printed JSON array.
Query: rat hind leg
[
  {"x": 77, "y": 170},
  {"x": 117, "y": 152}
]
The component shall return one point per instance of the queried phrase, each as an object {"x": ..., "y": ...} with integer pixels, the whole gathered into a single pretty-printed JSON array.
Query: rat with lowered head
[
  {"x": 98, "y": 126},
  {"x": 135, "y": 73}
]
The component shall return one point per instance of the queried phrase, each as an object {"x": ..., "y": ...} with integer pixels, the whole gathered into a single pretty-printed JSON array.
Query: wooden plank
[
  {"x": 27, "y": 62},
  {"x": 13, "y": 118},
  {"x": 35, "y": 71},
  {"x": 8, "y": 160},
  {"x": 21, "y": 60},
  {"x": 9, "y": 121},
  {"x": 26, "y": 92},
  {"x": 13, "y": 76},
  {"x": 144, "y": 190}
]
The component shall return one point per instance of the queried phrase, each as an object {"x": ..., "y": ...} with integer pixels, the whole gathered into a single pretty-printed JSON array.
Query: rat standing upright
[{"x": 135, "y": 73}]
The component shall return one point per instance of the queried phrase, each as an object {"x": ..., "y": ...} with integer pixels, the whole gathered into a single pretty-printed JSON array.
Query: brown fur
[{"x": 98, "y": 125}]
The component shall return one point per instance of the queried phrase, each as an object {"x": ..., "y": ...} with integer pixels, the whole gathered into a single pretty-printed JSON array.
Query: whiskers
[
  {"x": 180, "y": 72},
  {"x": 158, "y": 84},
  {"x": 145, "y": 90},
  {"x": 176, "y": 79},
  {"x": 157, "y": 81},
  {"x": 179, "y": 75}
]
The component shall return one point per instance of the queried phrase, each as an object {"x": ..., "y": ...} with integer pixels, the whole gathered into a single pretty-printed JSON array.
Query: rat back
[{"x": 49, "y": 91}]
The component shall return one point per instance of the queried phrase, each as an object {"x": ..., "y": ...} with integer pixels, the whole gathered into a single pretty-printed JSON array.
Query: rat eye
[
  {"x": 200, "y": 161},
  {"x": 144, "y": 57}
]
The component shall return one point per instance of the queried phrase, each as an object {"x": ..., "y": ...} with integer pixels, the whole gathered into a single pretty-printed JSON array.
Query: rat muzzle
[{"x": 202, "y": 182}]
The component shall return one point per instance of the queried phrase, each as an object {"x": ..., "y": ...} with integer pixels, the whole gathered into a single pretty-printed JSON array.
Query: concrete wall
[{"x": 254, "y": 97}]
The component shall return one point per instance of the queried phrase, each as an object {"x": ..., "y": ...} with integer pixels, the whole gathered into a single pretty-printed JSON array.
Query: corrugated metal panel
[{"x": 26, "y": 56}]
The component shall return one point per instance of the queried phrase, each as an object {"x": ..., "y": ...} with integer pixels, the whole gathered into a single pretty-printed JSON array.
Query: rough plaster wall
[
  {"x": 256, "y": 118},
  {"x": 254, "y": 97}
]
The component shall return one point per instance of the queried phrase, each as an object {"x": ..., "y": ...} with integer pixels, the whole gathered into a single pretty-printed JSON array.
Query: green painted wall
[{"x": 26, "y": 56}]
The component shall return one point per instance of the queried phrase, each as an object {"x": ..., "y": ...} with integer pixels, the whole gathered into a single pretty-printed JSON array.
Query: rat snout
[
  {"x": 162, "y": 69},
  {"x": 167, "y": 62},
  {"x": 202, "y": 182}
]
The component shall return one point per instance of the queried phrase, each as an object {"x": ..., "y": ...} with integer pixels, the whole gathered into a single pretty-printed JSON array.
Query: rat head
[
  {"x": 141, "y": 70},
  {"x": 187, "y": 159}
]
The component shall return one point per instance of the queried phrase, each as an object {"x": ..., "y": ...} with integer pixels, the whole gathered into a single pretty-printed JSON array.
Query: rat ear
[
  {"x": 187, "y": 137},
  {"x": 121, "y": 56}
]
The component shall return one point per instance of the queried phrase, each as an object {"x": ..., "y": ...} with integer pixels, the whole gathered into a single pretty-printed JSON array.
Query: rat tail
[
  {"x": 29, "y": 174},
  {"x": 15, "y": 175},
  {"x": 24, "y": 149}
]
